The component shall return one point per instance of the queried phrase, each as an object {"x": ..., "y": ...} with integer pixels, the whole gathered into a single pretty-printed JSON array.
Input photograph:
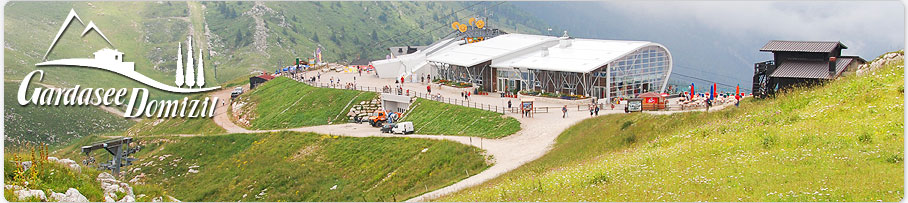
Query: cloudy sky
[
  {"x": 720, "y": 40},
  {"x": 868, "y": 28}
]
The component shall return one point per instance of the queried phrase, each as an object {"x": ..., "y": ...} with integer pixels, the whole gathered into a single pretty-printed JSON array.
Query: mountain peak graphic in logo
[{"x": 112, "y": 60}]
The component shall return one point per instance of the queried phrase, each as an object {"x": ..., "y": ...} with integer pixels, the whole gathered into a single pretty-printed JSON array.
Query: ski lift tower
[{"x": 118, "y": 148}]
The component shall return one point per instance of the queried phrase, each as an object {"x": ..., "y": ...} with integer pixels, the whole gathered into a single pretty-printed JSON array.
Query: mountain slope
[
  {"x": 838, "y": 142},
  {"x": 292, "y": 166},
  {"x": 268, "y": 35},
  {"x": 239, "y": 36}
]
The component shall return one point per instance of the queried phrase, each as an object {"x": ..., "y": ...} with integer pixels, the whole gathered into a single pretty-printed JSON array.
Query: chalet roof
[
  {"x": 810, "y": 69},
  {"x": 265, "y": 76},
  {"x": 802, "y": 46}
]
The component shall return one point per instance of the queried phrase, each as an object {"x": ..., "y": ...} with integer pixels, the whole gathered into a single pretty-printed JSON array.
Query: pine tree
[{"x": 239, "y": 38}]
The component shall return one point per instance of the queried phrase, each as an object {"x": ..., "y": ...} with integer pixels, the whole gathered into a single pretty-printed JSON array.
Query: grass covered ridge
[
  {"x": 176, "y": 126},
  {"x": 290, "y": 166},
  {"x": 284, "y": 103},
  {"x": 436, "y": 118},
  {"x": 838, "y": 142}
]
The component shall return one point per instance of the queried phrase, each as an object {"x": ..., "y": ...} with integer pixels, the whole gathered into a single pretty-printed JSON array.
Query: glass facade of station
[{"x": 644, "y": 70}]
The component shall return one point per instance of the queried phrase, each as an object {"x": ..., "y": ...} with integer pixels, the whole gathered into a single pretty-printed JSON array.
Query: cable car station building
[
  {"x": 589, "y": 67},
  {"x": 566, "y": 65}
]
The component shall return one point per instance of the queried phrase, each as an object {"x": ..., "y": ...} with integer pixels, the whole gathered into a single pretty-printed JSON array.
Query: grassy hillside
[
  {"x": 242, "y": 38},
  {"x": 284, "y": 103},
  {"x": 289, "y": 166},
  {"x": 148, "y": 34},
  {"x": 52, "y": 124},
  {"x": 175, "y": 126},
  {"x": 839, "y": 142},
  {"x": 436, "y": 118},
  {"x": 346, "y": 30}
]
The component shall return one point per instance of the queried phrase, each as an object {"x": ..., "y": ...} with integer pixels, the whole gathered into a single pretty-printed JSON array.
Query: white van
[{"x": 403, "y": 128}]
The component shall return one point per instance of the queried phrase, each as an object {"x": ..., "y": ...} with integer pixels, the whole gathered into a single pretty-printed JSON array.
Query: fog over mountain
[{"x": 720, "y": 41}]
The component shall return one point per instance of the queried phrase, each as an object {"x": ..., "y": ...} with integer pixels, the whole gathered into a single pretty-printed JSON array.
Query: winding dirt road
[{"x": 536, "y": 137}]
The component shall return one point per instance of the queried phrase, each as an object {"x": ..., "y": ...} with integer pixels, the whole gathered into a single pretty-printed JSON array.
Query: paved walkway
[{"x": 536, "y": 137}]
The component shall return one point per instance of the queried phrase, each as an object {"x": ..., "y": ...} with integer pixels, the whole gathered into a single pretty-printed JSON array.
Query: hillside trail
[{"x": 536, "y": 138}]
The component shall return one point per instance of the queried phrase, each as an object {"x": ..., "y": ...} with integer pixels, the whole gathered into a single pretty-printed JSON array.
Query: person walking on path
[
  {"x": 429, "y": 88},
  {"x": 509, "y": 103},
  {"x": 597, "y": 110},
  {"x": 591, "y": 110},
  {"x": 564, "y": 111},
  {"x": 708, "y": 104}
]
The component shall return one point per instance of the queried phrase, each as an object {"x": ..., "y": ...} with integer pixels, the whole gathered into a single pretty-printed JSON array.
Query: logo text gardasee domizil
[{"x": 188, "y": 80}]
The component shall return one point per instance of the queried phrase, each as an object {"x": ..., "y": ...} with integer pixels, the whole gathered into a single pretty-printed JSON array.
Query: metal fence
[
  {"x": 438, "y": 98},
  {"x": 487, "y": 107}
]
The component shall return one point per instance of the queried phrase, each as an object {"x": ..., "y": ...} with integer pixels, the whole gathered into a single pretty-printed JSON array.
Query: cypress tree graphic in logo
[
  {"x": 190, "y": 74},
  {"x": 179, "y": 71}
]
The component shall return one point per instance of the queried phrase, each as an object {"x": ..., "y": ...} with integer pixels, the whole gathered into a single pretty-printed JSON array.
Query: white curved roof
[
  {"x": 475, "y": 53},
  {"x": 527, "y": 52},
  {"x": 582, "y": 55}
]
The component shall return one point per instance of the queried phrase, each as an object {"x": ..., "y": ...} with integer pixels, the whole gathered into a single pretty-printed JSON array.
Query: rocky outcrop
[
  {"x": 25, "y": 194},
  {"x": 894, "y": 57},
  {"x": 260, "y": 36},
  {"x": 71, "y": 195},
  {"x": 111, "y": 186},
  {"x": 66, "y": 162}
]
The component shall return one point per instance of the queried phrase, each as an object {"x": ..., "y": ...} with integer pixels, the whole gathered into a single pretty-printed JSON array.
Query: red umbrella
[
  {"x": 738, "y": 91},
  {"x": 692, "y": 90},
  {"x": 715, "y": 90}
]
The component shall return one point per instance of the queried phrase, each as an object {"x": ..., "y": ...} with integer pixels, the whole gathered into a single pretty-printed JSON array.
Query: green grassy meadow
[
  {"x": 46, "y": 176},
  {"x": 436, "y": 118},
  {"x": 838, "y": 142},
  {"x": 284, "y": 103},
  {"x": 175, "y": 126},
  {"x": 290, "y": 166}
]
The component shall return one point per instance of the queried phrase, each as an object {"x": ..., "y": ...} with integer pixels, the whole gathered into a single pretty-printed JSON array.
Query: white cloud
[{"x": 858, "y": 24}]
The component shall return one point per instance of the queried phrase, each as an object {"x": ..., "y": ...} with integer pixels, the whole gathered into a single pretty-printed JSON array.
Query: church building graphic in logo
[{"x": 189, "y": 81}]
